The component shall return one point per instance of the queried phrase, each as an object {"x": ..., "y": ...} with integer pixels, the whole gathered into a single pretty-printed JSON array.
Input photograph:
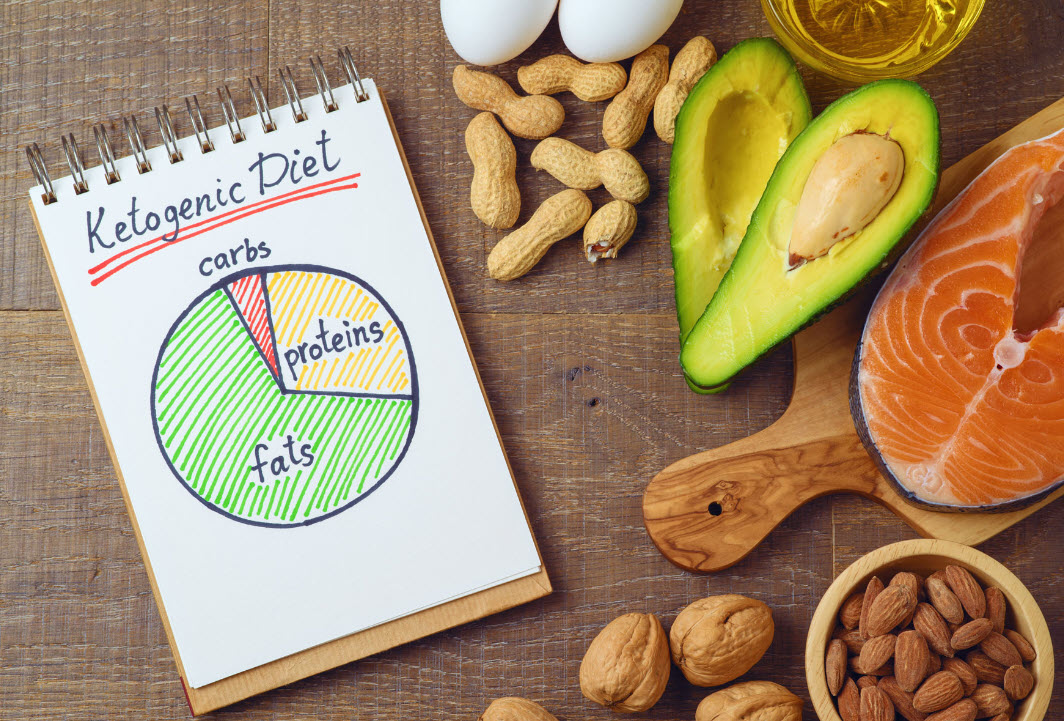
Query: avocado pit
[{"x": 849, "y": 185}]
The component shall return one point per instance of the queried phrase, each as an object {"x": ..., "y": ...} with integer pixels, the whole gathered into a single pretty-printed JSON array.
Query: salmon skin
[{"x": 961, "y": 406}]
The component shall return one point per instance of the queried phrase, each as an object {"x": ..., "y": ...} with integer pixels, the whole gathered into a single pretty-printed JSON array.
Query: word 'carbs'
[
  {"x": 272, "y": 463},
  {"x": 269, "y": 170},
  {"x": 246, "y": 253},
  {"x": 331, "y": 341}
]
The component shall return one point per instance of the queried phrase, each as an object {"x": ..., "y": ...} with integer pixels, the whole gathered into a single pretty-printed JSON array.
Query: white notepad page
[{"x": 293, "y": 409}]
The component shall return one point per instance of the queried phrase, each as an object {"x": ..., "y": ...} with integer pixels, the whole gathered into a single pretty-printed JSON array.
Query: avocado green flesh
[
  {"x": 732, "y": 130},
  {"x": 762, "y": 300}
]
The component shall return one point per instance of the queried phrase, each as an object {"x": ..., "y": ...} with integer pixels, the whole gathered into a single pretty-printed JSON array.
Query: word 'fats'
[{"x": 272, "y": 464}]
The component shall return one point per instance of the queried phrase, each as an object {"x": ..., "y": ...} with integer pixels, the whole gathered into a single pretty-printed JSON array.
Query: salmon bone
[{"x": 850, "y": 183}]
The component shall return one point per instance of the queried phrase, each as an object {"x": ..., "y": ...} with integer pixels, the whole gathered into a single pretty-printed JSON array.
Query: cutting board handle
[{"x": 708, "y": 511}]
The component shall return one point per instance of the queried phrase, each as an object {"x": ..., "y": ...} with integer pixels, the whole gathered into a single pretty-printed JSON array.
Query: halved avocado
[
  {"x": 768, "y": 295},
  {"x": 733, "y": 128}
]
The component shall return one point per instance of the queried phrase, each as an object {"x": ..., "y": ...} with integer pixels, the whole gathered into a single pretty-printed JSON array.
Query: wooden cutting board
[{"x": 708, "y": 511}]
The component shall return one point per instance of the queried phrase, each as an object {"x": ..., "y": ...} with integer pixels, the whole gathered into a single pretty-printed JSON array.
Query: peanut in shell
[
  {"x": 557, "y": 218},
  {"x": 558, "y": 73}
]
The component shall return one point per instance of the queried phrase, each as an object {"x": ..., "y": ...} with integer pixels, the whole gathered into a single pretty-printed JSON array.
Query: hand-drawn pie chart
[{"x": 285, "y": 395}]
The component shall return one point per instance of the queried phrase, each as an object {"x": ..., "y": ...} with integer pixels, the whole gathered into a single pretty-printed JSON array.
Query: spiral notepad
[{"x": 299, "y": 430}]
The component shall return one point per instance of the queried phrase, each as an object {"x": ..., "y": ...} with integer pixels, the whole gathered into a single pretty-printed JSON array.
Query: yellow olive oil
[{"x": 862, "y": 40}]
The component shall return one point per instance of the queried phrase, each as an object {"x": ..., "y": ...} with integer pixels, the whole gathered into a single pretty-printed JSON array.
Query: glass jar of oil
[{"x": 863, "y": 40}]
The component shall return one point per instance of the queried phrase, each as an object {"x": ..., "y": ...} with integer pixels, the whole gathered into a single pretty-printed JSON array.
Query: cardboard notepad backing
[{"x": 302, "y": 438}]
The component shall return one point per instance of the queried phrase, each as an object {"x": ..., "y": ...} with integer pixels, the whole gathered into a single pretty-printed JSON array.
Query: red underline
[
  {"x": 300, "y": 191},
  {"x": 249, "y": 210}
]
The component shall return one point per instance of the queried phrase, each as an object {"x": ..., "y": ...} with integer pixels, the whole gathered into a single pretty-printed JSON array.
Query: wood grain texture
[
  {"x": 706, "y": 512},
  {"x": 579, "y": 362}
]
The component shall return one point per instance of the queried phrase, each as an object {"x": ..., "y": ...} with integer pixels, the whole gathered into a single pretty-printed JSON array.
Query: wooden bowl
[{"x": 925, "y": 556}]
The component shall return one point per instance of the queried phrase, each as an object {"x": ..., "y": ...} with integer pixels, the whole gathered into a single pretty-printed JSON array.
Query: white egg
[
  {"x": 489, "y": 32},
  {"x": 604, "y": 31}
]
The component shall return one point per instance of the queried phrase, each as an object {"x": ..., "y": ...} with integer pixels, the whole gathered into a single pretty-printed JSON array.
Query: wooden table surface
[{"x": 579, "y": 362}]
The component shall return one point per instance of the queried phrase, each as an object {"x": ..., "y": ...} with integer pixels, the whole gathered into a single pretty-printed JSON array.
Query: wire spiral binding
[
  {"x": 136, "y": 141},
  {"x": 166, "y": 130},
  {"x": 232, "y": 119},
  {"x": 291, "y": 93},
  {"x": 107, "y": 154},
  {"x": 40, "y": 172},
  {"x": 73, "y": 157},
  {"x": 199, "y": 126},
  {"x": 322, "y": 81}
]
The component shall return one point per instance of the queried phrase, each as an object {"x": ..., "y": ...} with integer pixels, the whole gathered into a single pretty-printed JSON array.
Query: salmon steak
[{"x": 958, "y": 382}]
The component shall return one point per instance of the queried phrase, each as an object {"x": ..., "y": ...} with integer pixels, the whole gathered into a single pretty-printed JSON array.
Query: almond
[
  {"x": 865, "y": 681},
  {"x": 850, "y": 701},
  {"x": 990, "y": 699},
  {"x": 972, "y": 633},
  {"x": 944, "y": 600},
  {"x": 872, "y": 590},
  {"x": 1018, "y": 682},
  {"x": 938, "y": 692},
  {"x": 850, "y": 612},
  {"x": 963, "y": 710},
  {"x": 995, "y": 608},
  {"x": 835, "y": 666},
  {"x": 1005, "y": 716},
  {"x": 934, "y": 664},
  {"x": 932, "y": 627},
  {"x": 911, "y": 660},
  {"x": 967, "y": 591},
  {"x": 853, "y": 639},
  {"x": 986, "y": 669},
  {"x": 1027, "y": 652},
  {"x": 902, "y": 699},
  {"x": 875, "y": 705},
  {"x": 904, "y": 578},
  {"x": 1000, "y": 649},
  {"x": 886, "y": 669},
  {"x": 964, "y": 672},
  {"x": 877, "y": 651},
  {"x": 914, "y": 584},
  {"x": 891, "y": 606}
]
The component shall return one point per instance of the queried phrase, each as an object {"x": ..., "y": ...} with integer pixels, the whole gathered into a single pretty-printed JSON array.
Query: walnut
[
  {"x": 717, "y": 639},
  {"x": 512, "y": 708},
  {"x": 627, "y": 665},
  {"x": 751, "y": 701}
]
